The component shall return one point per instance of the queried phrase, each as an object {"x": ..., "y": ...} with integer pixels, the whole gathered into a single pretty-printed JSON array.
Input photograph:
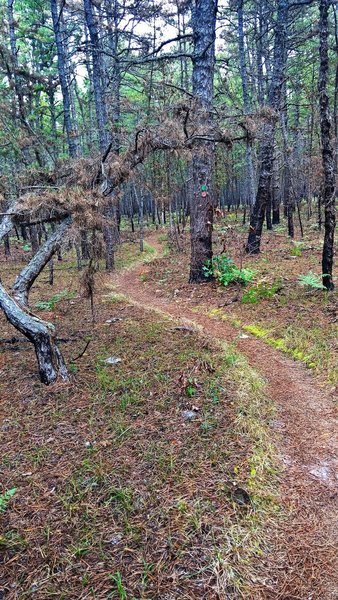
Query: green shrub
[{"x": 225, "y": 271}]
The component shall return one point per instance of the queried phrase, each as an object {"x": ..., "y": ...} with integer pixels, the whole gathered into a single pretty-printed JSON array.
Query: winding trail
[{"x": 305, "y": 433}]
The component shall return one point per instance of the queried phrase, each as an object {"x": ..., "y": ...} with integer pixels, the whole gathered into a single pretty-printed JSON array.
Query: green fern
[
  {"x": 296, "y": 249},
  {"x": 311, "y": 280}
]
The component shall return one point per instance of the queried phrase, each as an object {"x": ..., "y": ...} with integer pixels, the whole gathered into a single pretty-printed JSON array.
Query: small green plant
[
  {"x": 311, "y": 280},
  {"x": 225, "y": 271},
  {"x": 12, "y": 540},
  {"x": 81, "y": 549},
  {"x": 262, "y": 290},
  {"x": 119, "y": 587},
  {"x": 190, "y": 389},
  {"x": 147, "y": 569},
  {"x": 121, "y": 498},
  {"x": 5, "y": 499},
  {"x": 50, "y": 304},
  {"x": 296, "y": 249}
]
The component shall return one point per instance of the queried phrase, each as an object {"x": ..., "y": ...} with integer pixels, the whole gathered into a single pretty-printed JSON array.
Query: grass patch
[
  {"x": 129, "y": 254},
  {"x": 310, "y": 346}
]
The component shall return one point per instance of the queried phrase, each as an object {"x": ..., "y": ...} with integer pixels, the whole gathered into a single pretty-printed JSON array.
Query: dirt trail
[{"x": 306, "y": 435}]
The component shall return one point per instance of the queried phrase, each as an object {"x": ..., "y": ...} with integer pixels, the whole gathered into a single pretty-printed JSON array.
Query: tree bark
[
  {"x": 250, "y": 176},
  {"x": 202, "y": 200},
  {"x": 98, "y": 79},
  {"x": 109, "y": 235},
  {"x": 41, "y": 334},
  {"x": 113, "y": 36},
  {"x": 288, "y": 201},
  {"x": 328, "y": 194}
]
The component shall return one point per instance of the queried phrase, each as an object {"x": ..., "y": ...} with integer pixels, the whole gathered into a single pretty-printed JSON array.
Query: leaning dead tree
[
  {"x": 40, "y": 333},
  {"x": 79, "y": 204},
  {"x": 28, "y": 275}
]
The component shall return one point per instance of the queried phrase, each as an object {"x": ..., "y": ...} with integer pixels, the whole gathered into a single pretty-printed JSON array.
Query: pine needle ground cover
[{"x": 152, "y": 477}]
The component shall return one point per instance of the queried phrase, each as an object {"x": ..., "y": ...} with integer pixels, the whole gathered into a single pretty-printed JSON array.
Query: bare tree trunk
[
  {"x": 250, "y": 176},
  {"x": 98, "y": 79},
  {"x": 7, "y": 246},
  {"x": 267, "y": 147},
  {"x": 202, "y": 197},
  {"x": 6, "y": 224},
  {"x": 78, "y": 256},
  {"x": 264, "y": 189},
  {"x": 328, "y": 196},
  {"x": 41, "y": 334},
  {"x": 70, "y": 130},
  {"x": 28, "y": 275},
  {"x": 34, "y": 239},
  {"x": 288, "y": 203},
  {"x": 109, "y": 237},
  {"x": 113, "y": 36}
]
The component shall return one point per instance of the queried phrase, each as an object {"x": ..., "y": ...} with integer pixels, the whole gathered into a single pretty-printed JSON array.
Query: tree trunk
[
  {"x": 250, "y": 177},
  {"x": 202, "y": 200},
  {"x": 264, "y": 189},
  {"x": 113, "y": 36},
  {"x": 267, "y": 147},
  {"x": 328, "y": 195},
  {"x": 70, "y": 131},
  {"x": 28, "y": 275},
  {"x": 108, "y": 235},
  {"x": 98, "y": 79},
  {"x": 7, "y": 246},
  {"x": 288, "y": 202},
  {"x": 41, "y": 334}
]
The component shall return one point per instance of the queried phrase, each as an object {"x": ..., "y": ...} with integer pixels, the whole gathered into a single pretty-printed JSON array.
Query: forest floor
[{"x": 203, "y": 465}]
